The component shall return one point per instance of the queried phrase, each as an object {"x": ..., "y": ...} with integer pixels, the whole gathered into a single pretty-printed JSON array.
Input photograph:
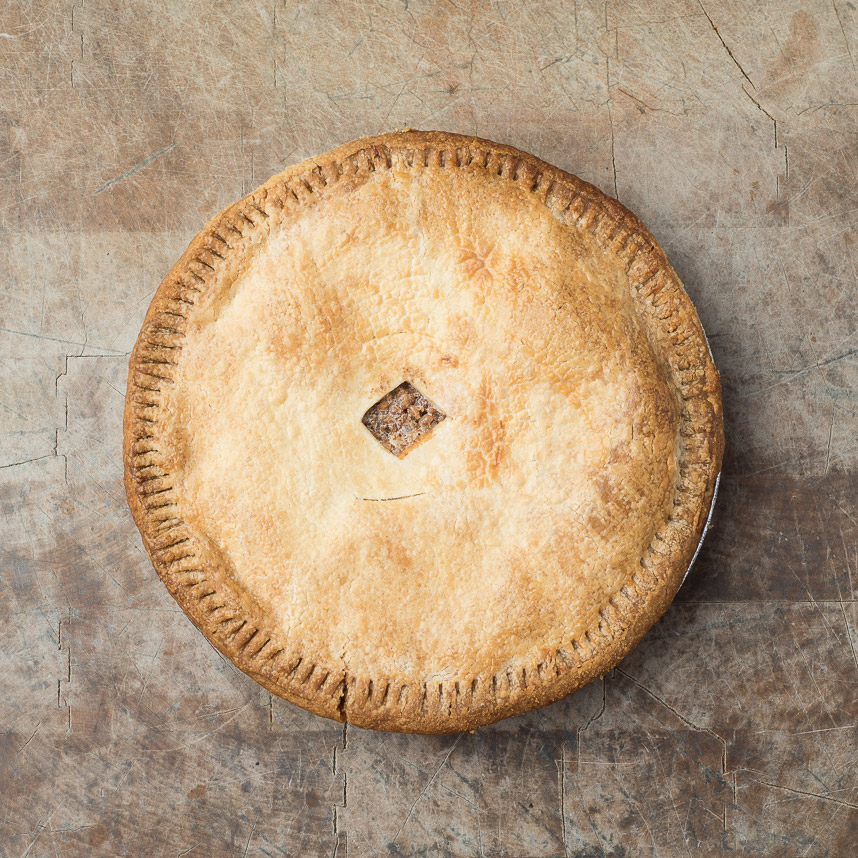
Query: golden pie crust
[{"x": 571, "y": 432}]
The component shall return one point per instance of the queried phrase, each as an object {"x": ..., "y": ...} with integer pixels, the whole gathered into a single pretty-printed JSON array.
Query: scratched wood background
[{"x": 730, "y": 128}]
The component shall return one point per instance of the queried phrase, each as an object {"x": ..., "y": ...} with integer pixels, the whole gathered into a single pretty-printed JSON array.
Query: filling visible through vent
[{"x": 402, "y": 418}]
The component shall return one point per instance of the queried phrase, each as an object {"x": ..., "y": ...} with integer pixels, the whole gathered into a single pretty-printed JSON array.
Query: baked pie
[{"x": 422, "y": 433}]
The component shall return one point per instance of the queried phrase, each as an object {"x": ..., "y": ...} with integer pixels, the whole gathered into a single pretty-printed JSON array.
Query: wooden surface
[{"x": 729, "y": 128}]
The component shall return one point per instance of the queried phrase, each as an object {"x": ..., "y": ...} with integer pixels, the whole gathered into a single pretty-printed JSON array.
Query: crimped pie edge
[{"x": 230, "y": 618}]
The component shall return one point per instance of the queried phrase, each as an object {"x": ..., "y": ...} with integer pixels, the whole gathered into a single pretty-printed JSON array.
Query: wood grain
[{"x": 729, "y": 128}]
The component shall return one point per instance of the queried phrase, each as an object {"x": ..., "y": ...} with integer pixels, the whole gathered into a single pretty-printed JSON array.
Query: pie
[{"x": 422, "y": 433}]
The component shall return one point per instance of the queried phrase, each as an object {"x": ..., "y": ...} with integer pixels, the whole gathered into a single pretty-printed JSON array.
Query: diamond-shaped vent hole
[{"x": 402, "y": 419}]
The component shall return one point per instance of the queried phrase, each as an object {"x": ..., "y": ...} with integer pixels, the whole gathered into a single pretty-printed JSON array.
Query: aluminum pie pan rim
[{"x": 705, "y": 527}]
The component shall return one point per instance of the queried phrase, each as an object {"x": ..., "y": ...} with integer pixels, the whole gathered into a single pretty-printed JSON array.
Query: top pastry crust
[{"x": 485, "y": 544}]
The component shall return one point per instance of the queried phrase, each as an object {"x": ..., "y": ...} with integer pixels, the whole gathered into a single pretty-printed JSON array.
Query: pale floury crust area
[{"x": 532, "y": 537}]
